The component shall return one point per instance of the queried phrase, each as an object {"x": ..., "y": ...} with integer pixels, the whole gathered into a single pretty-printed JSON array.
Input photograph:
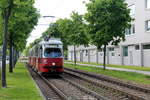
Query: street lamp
[{"x": 48, "y": 16}]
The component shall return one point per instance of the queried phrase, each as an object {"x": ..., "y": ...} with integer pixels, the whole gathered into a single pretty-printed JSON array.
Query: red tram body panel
[
  {"x": 47, "y": 57},
  {"x": 50, "y": 65}
]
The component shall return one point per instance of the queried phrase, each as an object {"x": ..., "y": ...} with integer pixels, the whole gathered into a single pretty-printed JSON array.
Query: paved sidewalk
[{"x": 112, "y": 68}]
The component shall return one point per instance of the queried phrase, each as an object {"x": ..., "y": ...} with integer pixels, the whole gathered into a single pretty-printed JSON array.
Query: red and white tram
[{"x": 47, "y": 57}]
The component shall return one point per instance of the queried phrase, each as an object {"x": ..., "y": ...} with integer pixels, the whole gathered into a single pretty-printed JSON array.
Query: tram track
[
  {"x": 49, "y": 91},
  {"x": 61, "y": 88},
  {"x": 75, "y": 91},
  {"x": 124, "y": 90}
]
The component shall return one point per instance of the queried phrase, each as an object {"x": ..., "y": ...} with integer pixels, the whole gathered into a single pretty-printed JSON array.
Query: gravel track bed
[
  {"x": 102, "y": 91},
  {"x": 47, "y": 92},
  {"x": 145, "y": 96},
  {"x": 72, "y": 92}
]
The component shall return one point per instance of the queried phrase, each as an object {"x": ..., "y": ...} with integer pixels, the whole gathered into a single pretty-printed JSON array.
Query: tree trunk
[
  {"x": 104, "y": 60},
  {"x": 4, "y": 85},
  {"x": 13, "y": 50},
  {"x": 15, "y": 57},
  {"x": 11, "y": 56},
  {"x": 75, "y": 62},
  {"x": 6, "y": 12}
]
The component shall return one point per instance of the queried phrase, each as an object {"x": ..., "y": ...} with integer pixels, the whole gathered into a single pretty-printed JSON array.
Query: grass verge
[
  {"x": 20, "y": 86},
  {"x": 118, "y": 66},
  {"x": 128, "y": 76}
]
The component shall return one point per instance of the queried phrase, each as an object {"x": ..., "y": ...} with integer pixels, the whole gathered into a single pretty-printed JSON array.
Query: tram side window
[{"x": 52, "y": 52}]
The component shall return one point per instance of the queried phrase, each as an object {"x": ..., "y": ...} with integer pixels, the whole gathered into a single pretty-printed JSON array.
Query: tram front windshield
[{"x": 52, "y": 52}]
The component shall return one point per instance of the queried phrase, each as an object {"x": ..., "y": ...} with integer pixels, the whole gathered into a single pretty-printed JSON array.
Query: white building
[{"x": 134, "y": 51}]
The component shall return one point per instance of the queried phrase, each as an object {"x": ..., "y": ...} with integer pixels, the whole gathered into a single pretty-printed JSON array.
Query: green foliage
[
  {"x": 22, "y": 22},
  {"x": 108, "y": 20},
  {"x": 78, "y": 31},
  {"x": 1, "y": 30},
  {"x": 64, "y": 26},
  {"x": 52, "y": 31},
  {"x": 4, "y": 4}
]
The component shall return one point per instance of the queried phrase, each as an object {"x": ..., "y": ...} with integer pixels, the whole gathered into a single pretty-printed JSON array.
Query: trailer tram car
[{"x": 47, "y": 57}]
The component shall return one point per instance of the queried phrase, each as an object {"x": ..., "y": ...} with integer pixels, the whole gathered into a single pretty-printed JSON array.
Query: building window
[
  {"x": 127, "y": 32},
  {"x": 86, "y": 52},
  {"x": 147, "y": 46},
  {"x": 148, "y": 25},
  {"x": 133, "y": 29},
  {"x": 130, "y": 30},
  {"x": 125, "y": 51},
  {"x": 148, "y": 4},
  {"x": 112, "y": 54},
  {"x": 132, "y": 10},
  {"x": 101, "y": 54},
  {"x": 111, "y": 49},
  {"x": 137, "y": 47}
]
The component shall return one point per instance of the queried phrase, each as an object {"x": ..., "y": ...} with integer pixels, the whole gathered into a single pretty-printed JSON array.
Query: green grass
[
  {"x": 128, "y": 76},
  {"x": 20, "y": 86},
  {"x": 119, "y": 66}
]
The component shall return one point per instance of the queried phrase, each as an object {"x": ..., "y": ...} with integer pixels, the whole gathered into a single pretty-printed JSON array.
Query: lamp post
[{"x": 46, "y": 16}]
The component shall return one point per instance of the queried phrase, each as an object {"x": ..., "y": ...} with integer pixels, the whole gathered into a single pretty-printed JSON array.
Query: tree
[
  {"x": 22, "y": 18},
  {"x": 64, "y": 30},
  {"x": 77, "y": 32},
  {"x": 20, "y": 27},
  {"x": 52, "y": 30},
  {"x": 6, "y": 9},
  {"x": 107, "y": 20}
]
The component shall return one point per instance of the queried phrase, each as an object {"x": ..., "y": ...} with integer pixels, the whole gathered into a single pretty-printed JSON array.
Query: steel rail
[
  {"x": 135, "y": 97},
  {"x": 92, "y": 93},
  {"x": 103, "y": 78},
  {"x": 50, "y": 85}
]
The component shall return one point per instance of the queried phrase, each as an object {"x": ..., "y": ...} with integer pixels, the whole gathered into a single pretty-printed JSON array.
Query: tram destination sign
[{"x": 53, "y": 45}]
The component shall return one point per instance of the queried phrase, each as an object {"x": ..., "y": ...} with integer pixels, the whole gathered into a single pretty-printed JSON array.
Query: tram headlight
[{"x": 53, "y": 64}]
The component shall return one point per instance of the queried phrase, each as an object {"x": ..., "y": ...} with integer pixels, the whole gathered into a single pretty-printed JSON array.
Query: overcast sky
[{"x": 57, "y": 8}]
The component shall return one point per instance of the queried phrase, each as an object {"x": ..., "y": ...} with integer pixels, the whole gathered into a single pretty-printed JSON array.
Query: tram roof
[{"x": 51, "y": 41}]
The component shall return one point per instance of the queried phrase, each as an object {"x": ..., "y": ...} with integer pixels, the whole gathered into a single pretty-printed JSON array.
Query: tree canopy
[
  {"x": 107, "y": 20},
  {"x": 22, "y": 22}
]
